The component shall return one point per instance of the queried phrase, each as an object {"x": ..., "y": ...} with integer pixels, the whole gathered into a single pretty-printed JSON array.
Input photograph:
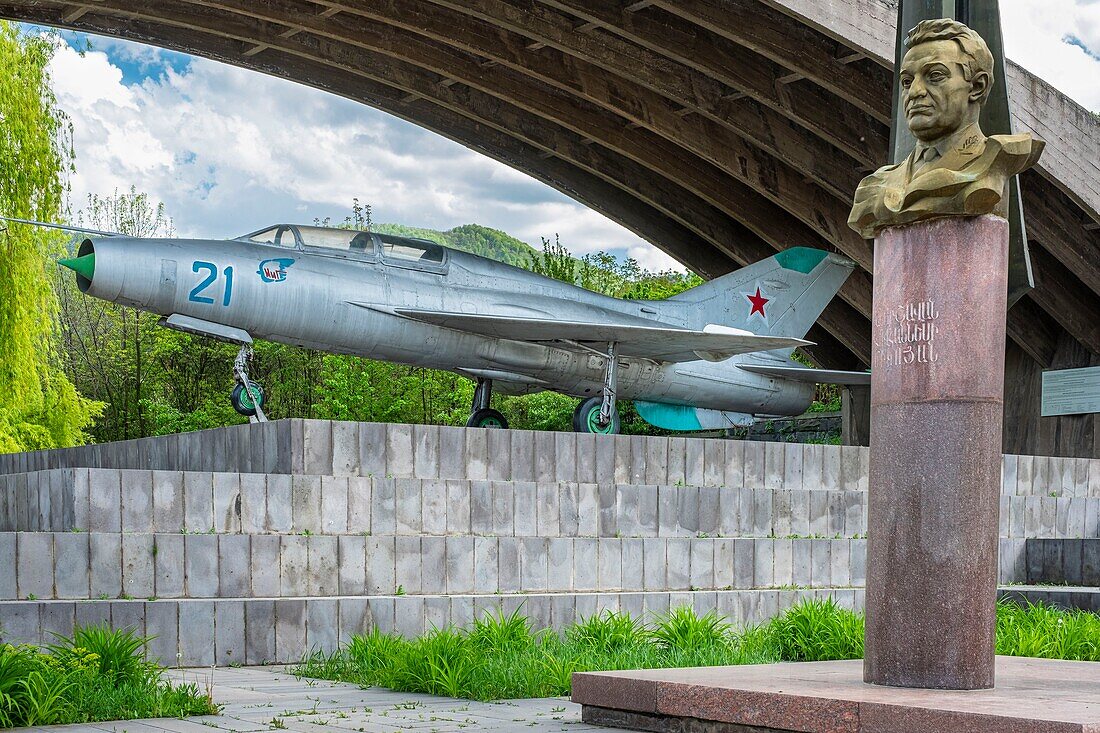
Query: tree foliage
[{"x": 39, "y": 407}]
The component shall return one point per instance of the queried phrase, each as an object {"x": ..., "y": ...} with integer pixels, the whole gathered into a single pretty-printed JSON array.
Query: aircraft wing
[
  {"x": 800, "y": 374},
  {"x": 660, "y": 343}
]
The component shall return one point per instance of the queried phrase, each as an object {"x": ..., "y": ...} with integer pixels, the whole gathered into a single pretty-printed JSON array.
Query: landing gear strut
[
  {"x": 481, "y": 415},
  {"x": 598, "y": 414},
  {"x": 247, "y": 396}
]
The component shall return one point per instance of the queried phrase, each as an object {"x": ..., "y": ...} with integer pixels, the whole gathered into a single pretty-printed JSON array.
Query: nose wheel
[
  {"x": 247, "y": 396},
  {"x": 481, "y": 415}
]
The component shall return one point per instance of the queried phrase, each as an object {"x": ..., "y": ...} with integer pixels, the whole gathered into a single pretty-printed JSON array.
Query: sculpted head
[{"x": 946, "y": 76}]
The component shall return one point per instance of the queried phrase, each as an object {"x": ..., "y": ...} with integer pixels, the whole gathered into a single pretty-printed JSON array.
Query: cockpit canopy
[{"x": 350, "y": 241}]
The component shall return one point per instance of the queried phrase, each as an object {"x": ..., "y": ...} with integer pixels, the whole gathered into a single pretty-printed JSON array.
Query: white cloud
[
  {"x": 1036, "y": 37},
  {"x": 229, "y": 150}
]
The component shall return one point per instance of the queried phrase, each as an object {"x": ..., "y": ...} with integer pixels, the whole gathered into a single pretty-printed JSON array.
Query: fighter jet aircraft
[{"x": 715, "y": 356}]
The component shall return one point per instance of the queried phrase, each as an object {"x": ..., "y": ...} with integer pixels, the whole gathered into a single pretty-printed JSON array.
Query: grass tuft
[
  {"x": 98, "y": 674},
  {"x": 503, "y": 657}
]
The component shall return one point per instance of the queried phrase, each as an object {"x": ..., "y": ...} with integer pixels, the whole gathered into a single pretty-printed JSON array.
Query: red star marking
[{"x": 758, "y": 302}]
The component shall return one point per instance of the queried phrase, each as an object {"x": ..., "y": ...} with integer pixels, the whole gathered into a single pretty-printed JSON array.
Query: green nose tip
[{"x": 84, "y": 266}]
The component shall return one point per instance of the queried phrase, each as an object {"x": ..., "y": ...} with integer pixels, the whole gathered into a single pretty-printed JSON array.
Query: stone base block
[{"x": 1032, "y": 696}]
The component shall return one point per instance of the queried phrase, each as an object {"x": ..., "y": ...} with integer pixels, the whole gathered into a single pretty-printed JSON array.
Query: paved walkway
[{"x": 267, "y": 699}]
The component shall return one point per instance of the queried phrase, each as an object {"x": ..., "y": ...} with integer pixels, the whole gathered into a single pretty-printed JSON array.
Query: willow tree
[{"x": 39, "y": 407}]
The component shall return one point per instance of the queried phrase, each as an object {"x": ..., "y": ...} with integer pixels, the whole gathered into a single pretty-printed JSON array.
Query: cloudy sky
[{"x": 229, "y": 150}]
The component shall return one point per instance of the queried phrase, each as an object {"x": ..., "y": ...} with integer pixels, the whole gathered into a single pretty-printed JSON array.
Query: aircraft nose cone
[{"x": 84, "y": 266}]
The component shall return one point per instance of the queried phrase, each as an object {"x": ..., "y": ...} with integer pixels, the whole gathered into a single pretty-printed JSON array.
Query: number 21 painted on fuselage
[{"x": 211, "y": 270}]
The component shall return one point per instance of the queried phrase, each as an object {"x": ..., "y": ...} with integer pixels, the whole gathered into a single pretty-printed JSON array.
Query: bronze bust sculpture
[{"x": 955, "y": 170}]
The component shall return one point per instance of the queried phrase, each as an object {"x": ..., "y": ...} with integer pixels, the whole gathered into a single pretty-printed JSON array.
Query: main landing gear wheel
[
  {"x": 481, "y": 415},
  {"x": 586, "y": 418},
  {"x": 487, "y": 418},
  {"x": 245, "y": 401},
  {"x": 247, "y": 397}
]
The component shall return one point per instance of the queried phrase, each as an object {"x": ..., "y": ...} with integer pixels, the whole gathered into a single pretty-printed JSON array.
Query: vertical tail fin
[{"x": 780, "y": 296}]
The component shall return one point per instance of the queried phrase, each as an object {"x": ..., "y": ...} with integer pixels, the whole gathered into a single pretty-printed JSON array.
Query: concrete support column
[{"x": 936, "y": 403}]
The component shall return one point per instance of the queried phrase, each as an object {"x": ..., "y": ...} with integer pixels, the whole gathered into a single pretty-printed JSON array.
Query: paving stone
[
  {"x": 265, "y": 559},
  {"x": 508, "y": 565},
  {"x": 763, "y": 563},
  {"x": 290, "y": 628},
  {"x": 775, "y": 461},
  {"x": 229, "y": 632},
  {"x": 72, "y": 570},
  {"x": 36, "y": 564},
  {"x": 352, "y": 564},
  {"x": 714, "y": 463},
  {"x": 588, "y": 502},
  {"x": 305, "y": 503},
  {"x": 324, "y": 558},
  {"x": 678, "y": 563},
  {"x": 196, "y": 632},
  {"x": 293, "y": 566},
  {"x": 346, "y": 458},
  {"x": 525, "y": 505},
  {"x": 234, "y": 558},
  {"x": 105, "y": 558},
  {"x": 280, "y": 513},
  {"x": 610, "y": 560},
  {"x": 821, "y": 563},
  {"x": 754, "y": 465},
  {"x": 723, "y": 563},
  {"x": 253, "y": 502},
  {"x": 534, "y": 562},
  {"x": 137, "y": 565},
  {"x": 259, "y": 624},
  {"x": 198, "y": 501},
  {"x": 334, "y": 504},
  {"x": 486, "y": 560},
  {"x": 702, "y": 563},
  {"x": 9, "y": 569},
  {"x": 322, "y": 624},
  {"x": 105, "y": 507},
  {"x": 433, "y": 558},
  {"x": 585, "y": 563},
  {"x": 559, "y": 564},
  {"x": 162, "y": 623},
  {"x": 547, "y": 510},
  {"x": 409, "y": 566},
  {"x": 744, "y": 562},
  {"x": 409, "y": 612},
  {"x": 137, "y": 501}
]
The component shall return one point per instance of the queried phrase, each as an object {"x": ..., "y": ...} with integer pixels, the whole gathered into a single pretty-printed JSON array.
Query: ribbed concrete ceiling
[{"x": 719, "y": 130}]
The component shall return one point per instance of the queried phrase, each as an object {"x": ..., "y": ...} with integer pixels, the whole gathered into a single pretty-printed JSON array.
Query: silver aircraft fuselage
[{"x": 337, "y": 301}]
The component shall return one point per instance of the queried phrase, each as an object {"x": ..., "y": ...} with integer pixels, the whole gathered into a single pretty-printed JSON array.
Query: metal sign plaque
[{"x": 1071, "y": 392}]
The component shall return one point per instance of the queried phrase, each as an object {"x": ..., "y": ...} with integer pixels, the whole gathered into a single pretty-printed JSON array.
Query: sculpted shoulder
[{"x": 961, "y": 183}]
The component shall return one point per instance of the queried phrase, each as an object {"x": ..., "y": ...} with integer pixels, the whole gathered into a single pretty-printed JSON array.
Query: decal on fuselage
[{"x": 274, "y": 270}]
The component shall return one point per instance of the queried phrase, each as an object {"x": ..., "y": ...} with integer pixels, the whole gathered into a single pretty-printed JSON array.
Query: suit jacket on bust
[{"x": 967, "y": 175}]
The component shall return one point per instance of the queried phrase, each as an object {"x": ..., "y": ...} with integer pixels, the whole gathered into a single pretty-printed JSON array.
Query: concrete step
[
  {"x": 322, "y": 447},
  {"x": 200, "y": 633},
  {"x": 131, "y": 500},
  {"x": 1066, "y": 596},
  {"x": 80, "y": 565},
  {"x": 1063, "y": 561}
]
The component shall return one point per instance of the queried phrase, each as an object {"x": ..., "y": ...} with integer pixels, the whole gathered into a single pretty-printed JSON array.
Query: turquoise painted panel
[
  {"x": 669, "y": 417},
  {"x": 801, "y": 259}
]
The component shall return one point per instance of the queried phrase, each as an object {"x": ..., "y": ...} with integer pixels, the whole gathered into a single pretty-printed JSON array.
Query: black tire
[
  {"x": 586, "y": 418},
  {"x": 243, "y": 402},
  {"x": 487, "y": 418}
]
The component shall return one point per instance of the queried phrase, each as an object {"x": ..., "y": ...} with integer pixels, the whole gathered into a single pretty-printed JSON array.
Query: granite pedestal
[
  {"x": 937, "y": 388},
  {"x": 1032, "y": 696}
]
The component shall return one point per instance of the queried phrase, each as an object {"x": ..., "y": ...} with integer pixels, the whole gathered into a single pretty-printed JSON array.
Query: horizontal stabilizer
[
  {"x": 660, "y": 342},
  {"x": 816, "y": 376}
]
